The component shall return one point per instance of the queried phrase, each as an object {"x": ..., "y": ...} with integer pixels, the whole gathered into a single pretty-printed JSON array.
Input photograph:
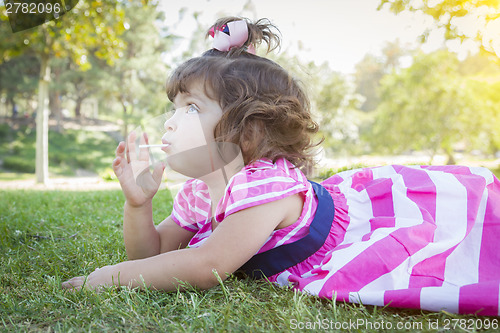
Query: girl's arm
[
  {"x": 143, "y": 239},
  {"x": 232, "y": 244}
]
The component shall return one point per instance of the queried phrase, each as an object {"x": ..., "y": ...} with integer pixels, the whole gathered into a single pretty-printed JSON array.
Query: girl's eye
[{"x": 192, "y": 109}]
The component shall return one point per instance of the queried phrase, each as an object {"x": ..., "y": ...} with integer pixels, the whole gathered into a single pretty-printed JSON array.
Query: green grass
[
  {"x": 48, "y": 237},
  {"x": 16, "y": 176},
  {"x": 68, "y": 151}
]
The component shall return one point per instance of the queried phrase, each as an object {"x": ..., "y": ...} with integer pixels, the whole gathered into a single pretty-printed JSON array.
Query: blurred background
[{"x": 390, "y": 81}]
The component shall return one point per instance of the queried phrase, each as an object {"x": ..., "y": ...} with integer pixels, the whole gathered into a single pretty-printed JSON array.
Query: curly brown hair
[{"x": 265, "y": 110}]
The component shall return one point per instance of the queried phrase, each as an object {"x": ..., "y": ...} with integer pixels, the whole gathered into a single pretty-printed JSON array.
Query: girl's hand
[
  {"x": 104, "y": 276},
  {"x": 137, "y": 183}
]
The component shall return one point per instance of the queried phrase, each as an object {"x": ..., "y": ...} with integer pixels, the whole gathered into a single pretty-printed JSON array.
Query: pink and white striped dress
[{"x": 404, "y": 236}]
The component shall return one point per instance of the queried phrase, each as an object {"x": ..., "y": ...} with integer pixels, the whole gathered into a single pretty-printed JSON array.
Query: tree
[
  {"x": 18, "y": 79},
  {"x": 90, "y": 27},
  {"x": 334, "y": 104},
  {"x": 77, "y": 84},
  {"x": 483, "y": 80},
  {"x": 137, "y": 80},
  {"x": 338, "y": 107},
  {"x": 427, "y": 106},
  {"x": 371, "y": 69},
  {"x": 369, "y": 72},
  {"x": 454, "y": 17}
]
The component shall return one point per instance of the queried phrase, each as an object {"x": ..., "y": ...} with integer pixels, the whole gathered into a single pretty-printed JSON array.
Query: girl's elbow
[
  {"x": 211, "y": 269},
  {"x": 212, "y": 276}
]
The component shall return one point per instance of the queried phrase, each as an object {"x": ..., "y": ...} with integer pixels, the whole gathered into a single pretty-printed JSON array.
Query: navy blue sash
[{"x": 285, "y": 256}]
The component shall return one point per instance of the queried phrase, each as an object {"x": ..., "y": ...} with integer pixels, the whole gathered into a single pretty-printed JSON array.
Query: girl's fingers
[
  {"x": 120, "y": 157},
  {"x": 144, "y": 152},
  {"x": 120, "y": 150},
  {"x": 117, "y": 168},
  {"x": 74, "y": 284},
  {"x": 158, "y": 172},
  {"x": 131, "y": 147}
]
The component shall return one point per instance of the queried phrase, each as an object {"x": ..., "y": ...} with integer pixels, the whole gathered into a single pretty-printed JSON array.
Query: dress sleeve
[
  {"x": 191, "y": 206},
  {"x": 252, "y": 187}
]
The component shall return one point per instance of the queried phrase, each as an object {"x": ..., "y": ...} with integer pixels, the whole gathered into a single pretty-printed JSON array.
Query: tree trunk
[
  {"x": 451, "y": 158},
  {"x": 56, "y": 109},
  {"x": 78, "y": 107},
  {"x": 13, "y": 106},
  {"x": 42, "y": 123}
]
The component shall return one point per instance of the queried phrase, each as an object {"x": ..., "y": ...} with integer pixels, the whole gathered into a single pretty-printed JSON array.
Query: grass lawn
[
  {"x": 16, "y": 176},
  {"x": 69, "y": 151},
  {"x": 48, "y": 237}
]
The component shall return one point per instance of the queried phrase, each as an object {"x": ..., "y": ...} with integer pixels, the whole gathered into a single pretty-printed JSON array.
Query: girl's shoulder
[
  {"x": 258, "y": 172},
  {"x": 261, "y": 182},
  {"x": 191, "y": 205}
]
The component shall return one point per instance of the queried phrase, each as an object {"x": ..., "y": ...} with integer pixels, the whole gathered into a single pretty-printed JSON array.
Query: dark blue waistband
[{"x": 285, "y": 256}]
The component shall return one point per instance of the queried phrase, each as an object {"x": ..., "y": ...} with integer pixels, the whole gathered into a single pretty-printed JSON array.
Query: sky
[{"x": 340, "y": 32}]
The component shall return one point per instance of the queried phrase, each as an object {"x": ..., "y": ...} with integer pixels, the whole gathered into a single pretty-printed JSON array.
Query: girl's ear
[
  {"x": 251, "y": 138},
  {"x": 245, "y": 146},
  {"x": 246, "y": 150}
]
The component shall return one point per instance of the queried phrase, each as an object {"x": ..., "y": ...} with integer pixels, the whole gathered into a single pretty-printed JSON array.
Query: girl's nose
[{"x": 170, "y": 123}]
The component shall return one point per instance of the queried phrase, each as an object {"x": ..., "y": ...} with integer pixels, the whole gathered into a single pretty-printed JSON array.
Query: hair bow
[{"x": 233, "y": 34}]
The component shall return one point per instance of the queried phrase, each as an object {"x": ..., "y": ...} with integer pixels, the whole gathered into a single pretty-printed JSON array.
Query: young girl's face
[{"x": 189, "y": 133}]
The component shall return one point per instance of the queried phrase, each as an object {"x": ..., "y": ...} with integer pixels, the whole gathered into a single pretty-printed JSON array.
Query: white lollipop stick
[{"x": 148, "y": 146}]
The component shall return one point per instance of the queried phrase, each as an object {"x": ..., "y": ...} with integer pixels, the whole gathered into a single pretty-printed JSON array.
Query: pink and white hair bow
[{"x": 233, "y": 34}]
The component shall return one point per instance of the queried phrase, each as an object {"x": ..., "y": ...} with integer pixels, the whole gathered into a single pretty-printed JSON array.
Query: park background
[{"x": 390, "y": 81}]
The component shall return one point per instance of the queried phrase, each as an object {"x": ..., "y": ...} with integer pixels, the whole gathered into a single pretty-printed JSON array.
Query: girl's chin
[
  {"x": 203, "y": 160},
  {"x": 191, "y": 170},
  {"x": 189, "y": 164}
]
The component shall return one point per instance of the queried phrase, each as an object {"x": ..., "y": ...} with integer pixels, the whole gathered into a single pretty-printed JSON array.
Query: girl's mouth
[{"x": 165, "y": 145}]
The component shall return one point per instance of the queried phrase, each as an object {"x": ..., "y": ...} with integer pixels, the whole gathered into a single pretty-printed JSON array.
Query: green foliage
[
  {"x": 108, "y": 174},
  {"x": 135, "y": 83},
  {"x": 427, "y": 106},
  {"x": 19, "y": 76},
  {"x": 453, "y": 16},
  {"x": 91, "y": 26},
  {"x": 48, "y": 237},
  {"x": 338, "y": 110},
  {"x": 334, "y": 104},
  {"x": 69, "y": 150},
  {"x": 19, "y": 164},
  {"x": 483, "y": 82},
  {"x": 5, "y": 132},
  {"x": 371, "y": 69},
  {"x": 107, "y": 50}
]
